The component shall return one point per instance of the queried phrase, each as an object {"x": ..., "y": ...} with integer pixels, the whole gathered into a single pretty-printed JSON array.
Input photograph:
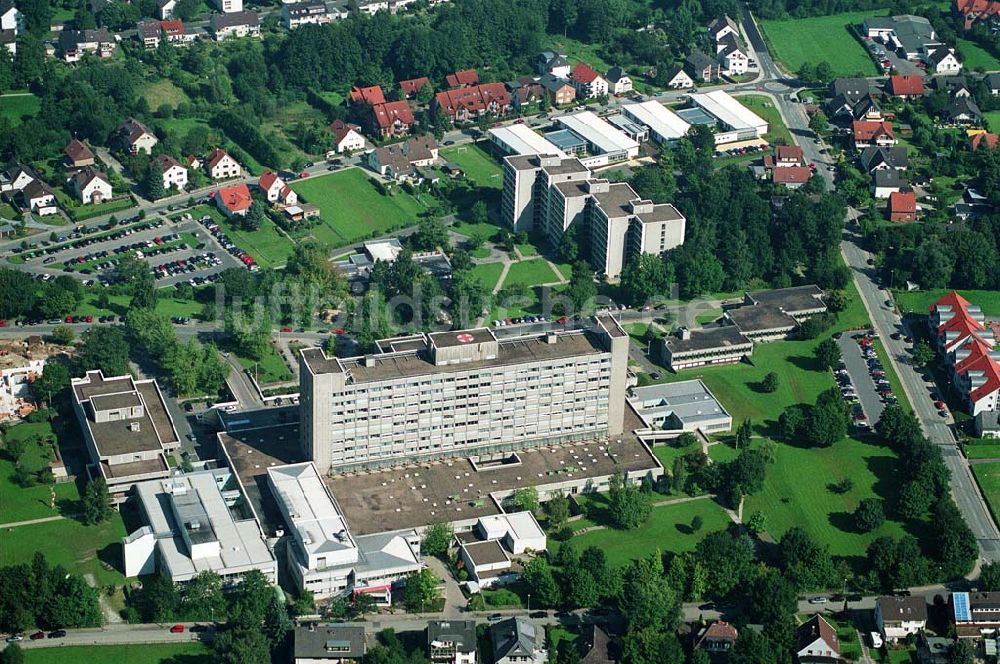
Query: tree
[
  {"x": 63, "y": 334},
  {"x": 420, "y": 591},
  {"x": 202, "y": 598},
  {"x": 923, "y": 353},
  {"x": 770, "y": 383},
  {"x": 567, "y": 653},
  {"x": 241, "y": 645},
  {"x": 255, "y": 217},
  {"x": 37, "y": 17},
  {"x": 431, "y": 234},
  {"x": 955, "y": 545},
  {"x": 629, "y": 506},
  {"x": 728, "y": 560},
  {"x": 580, "y": 588},
  {"x": 103, "y": 348},
  {"x": 768, "y": 599},
  {"x": 827, "y": 354},
  {"x": 869, "y": 515},
  {"x": 54, "y": 379},
  {"x": 989, "y": 577},
  {"x": 744, "y": 432},
  {"x": 805, "y": 562},
  {"x": 897, "y": 563},
  {"x": 581, "y": 286},
  {"x": 12, "y": 654},
  {"x": 436, "y": 540},
  {"x": 538, "y": 580},
  {"x": 152, "y": 184},
  {"x": 932, "y": 264},
  {"x": 644, "y": 277},
  {"x": 557, "y": 509},
  {"x": 526, "y": 499},
  {"x": 96, "y": 502},
  {"x": 962, "y": 652},
  {"x": 819, "y": 122}
]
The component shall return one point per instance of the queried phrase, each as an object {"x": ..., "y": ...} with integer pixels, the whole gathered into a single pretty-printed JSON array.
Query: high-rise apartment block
[
  {"x": 553, "y": 194},
  {"x": 462, "y": 393}
]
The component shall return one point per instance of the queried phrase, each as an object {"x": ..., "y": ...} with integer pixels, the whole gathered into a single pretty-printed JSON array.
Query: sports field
[
  {"x": 794, "y": 42},
  {"x": 478, "y": 166},
  {"x": 352, "y": 209}
]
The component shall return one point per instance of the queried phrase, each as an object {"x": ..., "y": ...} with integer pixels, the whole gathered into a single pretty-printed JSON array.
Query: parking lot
[{"x": 862, "y": 380}]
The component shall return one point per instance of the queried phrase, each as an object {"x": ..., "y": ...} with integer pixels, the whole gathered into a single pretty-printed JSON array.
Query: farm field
[
  {"x": 352, "y": 209},
  {"x": 795, "y": 42},
  {"x": 478, "y": 166},
  {"x": 15, "y": 106},
  {"x": 533, "y": 272},
  {"x": 164, "y": 653}
]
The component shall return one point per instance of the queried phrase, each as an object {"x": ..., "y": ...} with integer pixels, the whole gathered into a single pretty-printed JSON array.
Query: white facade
[
  {"x": 949, "y": 64},
  {"x": 352, "y": 141},
  {"x": 139, "y": 552},
  {"x": 518, "y": 531},
  {"x": 12, "y": 19},
  {"x": 228, "y": 6},
  {"x": 95, "y": 190},
  {"x": 175, "y": 176},
  {"x": 735, "y": 62},
  {"x": 225, "y": 167}
]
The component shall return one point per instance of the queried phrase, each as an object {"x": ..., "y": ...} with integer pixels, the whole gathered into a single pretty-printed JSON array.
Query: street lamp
[{"x": 529, "y": 601}]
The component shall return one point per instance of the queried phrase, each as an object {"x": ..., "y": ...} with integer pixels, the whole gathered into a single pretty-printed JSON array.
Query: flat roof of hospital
[
  {"x": 598, "y": 132},
  {"x": 690, "y": 401},
  {"x": 314, "y": 514},
  {"x": 521, "y": 139},
  {"x": 661, "y": 121},
  {"x": 728, "y": 110}
]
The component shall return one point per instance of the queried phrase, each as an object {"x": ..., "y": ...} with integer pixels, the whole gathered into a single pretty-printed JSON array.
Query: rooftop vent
[
  {"x": 133, "y": 426},
  {"x": 194, "y": 525}
]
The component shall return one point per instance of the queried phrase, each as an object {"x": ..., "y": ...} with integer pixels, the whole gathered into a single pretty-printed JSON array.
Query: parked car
[
  {"x": 494, "y": 617},
  {"x": 818, "y": 600},
  {"x": 37, "y": 635},
  {"x": 177, "y": 629},
  {"x": 58, "y": 634}
]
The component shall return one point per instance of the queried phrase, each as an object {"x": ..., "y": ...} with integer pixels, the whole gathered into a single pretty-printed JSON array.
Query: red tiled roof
[
  {"x": 167, "y": 162},
  {"x": 218, "y": 154},
  {"x": 387, "y": 114},
  {"x": 792, "y": 175},
  {"x": 953, "y": 300},
  {"x": 980, "y": 8},
  {"x": 77, "y": 151},
  {"x": 267, "y": 180},
  {"x": 476, "y": 99},
  {"x": 906, "y": 85},
  {"x": 172, "y": 27},
  {"x": 464, "y": 77},
  {"x": 903, "y": 201},
  {"x": 412, "y": 86},
  {"x": 235, "y": 199},
  {"x": 866, "y": 130},
  {"x": 371, "y": 95},
  {"x": 583, "y": 73},
  {"x": 991, "y": 371},
  {"x": 977, "y": 349},
  {"x": 340, "y": 129},
  {"x": 789, "y": 153},
  {"x": 990, "y": 139}
]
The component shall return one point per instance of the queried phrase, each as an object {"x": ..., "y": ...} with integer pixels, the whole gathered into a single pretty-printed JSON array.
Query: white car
[
  {"x": 818, "y": 600},
  {"x": 876, "y": 639}
]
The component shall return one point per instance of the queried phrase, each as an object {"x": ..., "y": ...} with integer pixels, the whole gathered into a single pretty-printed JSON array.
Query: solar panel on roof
[{"x": 961, "y": 603}]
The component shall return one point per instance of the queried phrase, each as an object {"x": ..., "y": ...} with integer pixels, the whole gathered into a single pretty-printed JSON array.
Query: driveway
[{"x": 454, "y": 600}]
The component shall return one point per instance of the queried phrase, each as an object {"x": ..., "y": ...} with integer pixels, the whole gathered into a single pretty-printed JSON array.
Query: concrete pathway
[
  {"x": 31, "y": 522},
  {"x": 454, "y": 599}
]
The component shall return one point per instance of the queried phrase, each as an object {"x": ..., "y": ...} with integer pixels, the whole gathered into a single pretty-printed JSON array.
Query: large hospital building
[{"x": 462, "y": 393}]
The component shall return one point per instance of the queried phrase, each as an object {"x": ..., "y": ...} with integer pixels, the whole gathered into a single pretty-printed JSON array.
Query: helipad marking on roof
[{"x": 465, "y": 338}]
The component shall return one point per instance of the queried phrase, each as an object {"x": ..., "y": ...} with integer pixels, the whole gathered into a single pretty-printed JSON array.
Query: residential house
[
  {"x": 78, "y": 154},
  {"x": 972, "y": 11},
  {"x": 786, "y": 156},
  {"x": 328, "y": 643},
  {"x": 619, "y": 83},
  {"x": 165, "y": 9},
  {"x": 11, "y": 17},
  {"x": 134, "y": 137},
  {"x": 74, "y": 44},
  {"x": 962, "y": 110},
  {"x": 987, "y": 424},
  {"x": 717, "y": 638},
  {"x": 401, "y": 160},
  {"x": 934, "y": 649},
  {"x": 898, "y": 617},
  {"x": 525, "y": 91},
  {"x": 412, "y": 86},
  {"x": 875, "y": 158},
  {"x": 872, "y": 132},
  {"x": 393, "y": 118},
  {"x": 15, "y": 177},
  {"x": 192, "y": 161},
  {"x": 175, "y": 176},
  {"x": 702, "y": 67},
  {"x": 236, "y": 24},
  {"x": 992, "y": 81},
  {"x": 550, "y": 62},
  {"x": 301, "y": 13},
  {"x": 228, "y": 6},
  {"x": 451, "y": 641},
  {"x": 221, "y": 165},
  {"x": 37, "y": 197},
  {"x": 733, "y": 58},
  {"x": 853, "y": 98},
  {"x": 518, "y": 641},
  {"x": 588, "y": 83},
  {"x": 8, "y": 40},
  {"x": 908, "y": 86},
  {"x": 346, "y": 136},
  {"x": 150, "y": 33},
  {"x": 560, "y": 91},
  {"x": 678, "y": 79},
  {"x": 276, "y": 190},
  {"x": 792, "y": 177},
  {"x": 975, "y": 614},
  {"x": 721, "y": 27},
  {"x": 462, "y": 79},
  {"x": 91, "y": 185},
  {"x": 369, "y": 96},
  {"x": 816, "y": 642},
  {"x": 235, "y": 200},
  {"x": 468, "y": 103},
  {"x": 983, "y": 139},
  {"x": 886, "y": 182},
  {"x": 956, "y": 86},
  {"x": 902, "y": 206},
  {"x": 595, "y": 646},
  {"x": 942, "y": 60}
]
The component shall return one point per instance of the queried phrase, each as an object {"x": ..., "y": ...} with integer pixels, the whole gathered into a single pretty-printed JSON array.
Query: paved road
[
  {"x": 886, "y": 321},
  {"x": 864, "y": 386}
]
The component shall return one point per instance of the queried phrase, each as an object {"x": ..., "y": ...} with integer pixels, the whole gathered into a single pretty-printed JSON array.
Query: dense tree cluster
[
  {"x": 44, "y": 595},
  {"x": 22, "y": 296},
  {"x": 776, "y": 9},
  {"x": 193, "y": 368},
  {"x": 819, "y": 425}
]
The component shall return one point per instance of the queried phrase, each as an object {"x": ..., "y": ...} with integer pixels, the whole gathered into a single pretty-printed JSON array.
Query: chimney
[
  {"x": 551, "y": 338},
  {"x": 683, "y": 333}
]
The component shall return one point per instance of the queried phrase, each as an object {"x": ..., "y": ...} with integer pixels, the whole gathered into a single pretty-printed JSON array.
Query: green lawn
[
  {"x": 268, "y": 245},
  {"x": 534, "y": 272},
  {"x": 918, "y": 302},
  {"x": 82, "y": 212},
  {"x": 23, "y": 504},
  {"x": 975, "y": 57},
  {"x": 795, "y": 42},
  {"x": 352, "y": 209},
  {"x": 992, "y": 120},
  {"x": 988, "y": 476},
  {"x": 488, "y": 274},
  {"x": 483, "y": 231},
  {"x": 577, "y": 51},
  {"x": 527, "y": 250},
  {"x": 708, "y": 316},
  {"x": 479, "y": 167},
  {"x": 69, "y": 543},
  {"x": 270, "y": 369},
  {"x": 985, "y": 449},
  {"x": 668, "y": 453},
  {"x": 764, "y": 107},
  {"x": 164, "y": 653},
  {"x": 668, "y": 529},
  {"x": 558, "y": 634},
  {"x": 890, "y": 372},
  {"x": 14, "y": 107},
  {"x": 163, "y": 91}
]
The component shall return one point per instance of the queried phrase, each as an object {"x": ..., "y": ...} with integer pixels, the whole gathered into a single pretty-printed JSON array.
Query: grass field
[
  {"x": 992, "y": 120},
  {"x": 14, "y": 107},
  {"x": 668, "y": 529},
  {"x": 180, "y": 653},
  {"x": 795, "y": 42},
  {"x": 482, "y": 231},
  {"x": 988, "y": 476},
  {"x": 352, "y": 209},
  {"x": 975, "y": 57},
  {"x": 268, "y": 245},
  {"x": 488, "y": 274},
  {"x": 764, "y": 107},
  {"x": 69, "y": 543},
  {"x": 270, "y": 369},
  {"x": 23, "y": 504},
  {"x": 918, "y": 302},
  {"x": 477, "y": 165},
  {"x": 291, "y": 114},
  {"x": 82, "y": 212},
  {"x": 162, "y": 92},
  {"x": 577, "y": 51},
  {"x": 986, "y": 449},
  {"x": 534, "y": 272}
]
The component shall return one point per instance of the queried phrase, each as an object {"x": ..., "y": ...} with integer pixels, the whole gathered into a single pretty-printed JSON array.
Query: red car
[
  {"x": 37, "y": 635},
  {"x": 340, "y": 330},
  {"x": 940, "y": 405},
  {"x": 303, "y": 174},
  {"x": 286, "y": 329},
  {"x": 90, "y": 319},
  {"x": 69, "y": 319},
  {"x": 176, "y": 629},
  {"x": 3, "y": 323}
]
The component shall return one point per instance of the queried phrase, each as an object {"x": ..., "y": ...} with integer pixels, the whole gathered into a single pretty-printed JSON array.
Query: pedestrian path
[{"x": 31, "y": 522}]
